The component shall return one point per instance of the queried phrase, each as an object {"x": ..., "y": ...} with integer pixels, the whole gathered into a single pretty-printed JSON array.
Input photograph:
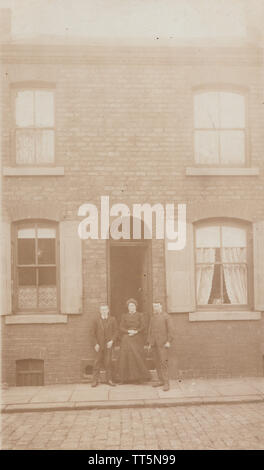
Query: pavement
[{"x": 82, "y": 397}]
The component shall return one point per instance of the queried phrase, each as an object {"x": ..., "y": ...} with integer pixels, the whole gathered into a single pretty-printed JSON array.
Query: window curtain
[
  {"x": 235, "y": 274},
  {"x": 204, "y": 274}
]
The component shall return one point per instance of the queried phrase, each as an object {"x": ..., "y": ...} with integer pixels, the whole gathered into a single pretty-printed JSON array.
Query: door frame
[{"x": 122, "y": 243}]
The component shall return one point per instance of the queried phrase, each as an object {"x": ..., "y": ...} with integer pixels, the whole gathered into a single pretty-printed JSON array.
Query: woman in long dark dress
[{"x": 132, "y": 366}]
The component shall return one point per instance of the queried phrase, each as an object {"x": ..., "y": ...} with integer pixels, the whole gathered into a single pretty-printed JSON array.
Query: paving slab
[
  {"x": 172, "y": 393},
  {"x": 13, "y": 399},
  {"x": 90, "y": 395},
  {"x": 258, "y": 386},
  {"x": 134, "y": 387},
  {"x": 49, "y": 396},
  {"x": 57, "y": 387},
  {"x": 132, "y": 394},
  {"x": 87, "y": 386},
  {"x": 235, "y": 389},
  {"x": 20, "y": 391},
  {"x": 220, "y": 381},
  {"x": 196, "y": 390}
]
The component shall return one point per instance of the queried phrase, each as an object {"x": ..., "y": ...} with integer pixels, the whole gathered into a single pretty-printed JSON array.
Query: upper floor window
[
  {"x": 34, "y": 126},
  {"x": 220, "y": 128},
  {"x": 221, "y": 264},
  {"x": 36, "y": 266}
]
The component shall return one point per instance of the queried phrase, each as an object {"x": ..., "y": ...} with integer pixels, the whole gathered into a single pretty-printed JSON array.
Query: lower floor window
[
  {"x": 221, "y": 265},
  {"x": 36, "y": 267}
]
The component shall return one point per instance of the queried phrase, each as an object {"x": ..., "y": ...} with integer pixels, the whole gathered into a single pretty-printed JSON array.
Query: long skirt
[{"x": 132, "y": 366}]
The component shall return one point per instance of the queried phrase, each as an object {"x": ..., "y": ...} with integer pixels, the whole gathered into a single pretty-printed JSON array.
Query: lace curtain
[
  {"x": 235, "y": 274},
  {"x": 204, "y": 274}
]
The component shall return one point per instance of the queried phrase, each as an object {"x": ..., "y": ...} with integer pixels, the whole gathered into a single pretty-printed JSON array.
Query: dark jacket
[
  {"x": 98, "y": 336},
  {"x": 160, "y": 329},
  {"x": 130, "y": 321}
]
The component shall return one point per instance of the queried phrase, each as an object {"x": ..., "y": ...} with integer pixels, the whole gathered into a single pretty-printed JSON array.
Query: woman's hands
[{"x": 132, "y": 332}]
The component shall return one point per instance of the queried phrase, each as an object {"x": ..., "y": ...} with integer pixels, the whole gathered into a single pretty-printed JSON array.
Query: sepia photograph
[{"x": 132, "y": 227}]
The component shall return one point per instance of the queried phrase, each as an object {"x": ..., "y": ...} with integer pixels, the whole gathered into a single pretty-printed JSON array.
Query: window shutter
[
  {"x": 258, "y": 243},
  {"x": 6, "y": 306},
  {"x": 180, "y": 276},
  {"x": 70, "y": 268}
]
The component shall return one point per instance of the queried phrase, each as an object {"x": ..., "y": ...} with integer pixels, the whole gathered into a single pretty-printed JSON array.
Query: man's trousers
[
  {"x": 161, "y": 359},
  {"x": 103, "y": 360}
]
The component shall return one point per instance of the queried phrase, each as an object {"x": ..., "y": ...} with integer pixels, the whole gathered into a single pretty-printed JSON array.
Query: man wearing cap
[
  {"x": 104, "y": 333},
  {"x": 159, "y": 339}
]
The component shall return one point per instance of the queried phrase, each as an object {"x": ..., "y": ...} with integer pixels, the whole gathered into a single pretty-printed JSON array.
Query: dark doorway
[
  {"x": 129, "y": 273},
  {"x": 128, "y": 277}
]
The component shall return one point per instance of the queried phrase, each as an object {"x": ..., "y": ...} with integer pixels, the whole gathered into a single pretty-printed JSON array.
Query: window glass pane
[
  {"x": 27, "y": 297},
  {"x": 47, "y": 276},
  {"x": 44, "y": 107},
  {"x": 232, "y": 144},
  {"x": 218, "y": 254},
  {"x": 25, "y": 108},
  {"x": 27, "y": 276},
  {"x": 46, "y": 232},
  {"x": 46, "y": 251},
  {"x": 208, "y": 237},
  {"x": 29, "y": 232},
  {"x": 26, "y": 251},
  {"x": 44, "y": 146},
  {"x": 25, "y": 146},
  {"x": 215, "y": 295},
  {"x": 225, "y": 294},
  {"x": 232, "y": 110},
  {"x": 206, "y": 147},
  {"x": 26, "y": 245},
  {"x": 235, "y": 276},
  {"x": 234, "y": 236},
  {"x": 47, "y": 297},
  {"x": 206, "y": 111}
]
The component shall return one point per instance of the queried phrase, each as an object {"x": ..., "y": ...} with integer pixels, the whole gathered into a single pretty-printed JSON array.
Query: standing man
[
  {"x": 104, "y": 333},
  {"x": 159, "y": 339}
]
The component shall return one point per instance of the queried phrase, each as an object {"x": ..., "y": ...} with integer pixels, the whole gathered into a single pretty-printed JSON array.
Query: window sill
[
  {"x": 224, "y": 315},
  {"x": 209, "y": 171},
  {"x": 35, "y": 318},
  {"x": 33, "y": 171}
]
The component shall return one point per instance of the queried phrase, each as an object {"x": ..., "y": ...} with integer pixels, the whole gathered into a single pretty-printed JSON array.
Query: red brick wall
[
  {"x": 124, "y": 128},
  {"x": 200, "y": 349}
]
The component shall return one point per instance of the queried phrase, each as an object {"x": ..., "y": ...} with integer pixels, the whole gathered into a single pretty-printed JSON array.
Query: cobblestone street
[{"x": 238, "y": 426}]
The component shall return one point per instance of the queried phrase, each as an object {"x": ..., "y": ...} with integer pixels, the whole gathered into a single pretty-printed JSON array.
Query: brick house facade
[{"x": 124, "y": 126}]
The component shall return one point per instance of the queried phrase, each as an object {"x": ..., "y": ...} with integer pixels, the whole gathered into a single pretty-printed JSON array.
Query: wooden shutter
[
  {"x": 180, "y": 276},
  {"x": 6, "y": 293},
  {"x": 70, "y": 268},
  {"x": 258, "y": 245}
]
